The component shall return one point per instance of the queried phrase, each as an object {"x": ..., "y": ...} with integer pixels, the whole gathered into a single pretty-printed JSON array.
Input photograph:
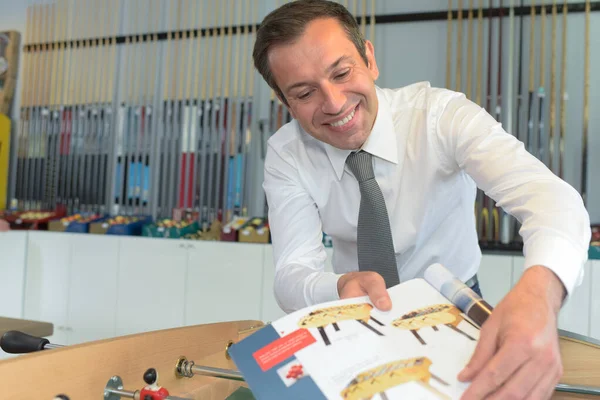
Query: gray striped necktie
[{"x": 375, "y": 245}]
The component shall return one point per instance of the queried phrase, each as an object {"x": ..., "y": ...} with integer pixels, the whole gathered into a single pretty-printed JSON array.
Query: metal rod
[
  {"x": 217, "y": 372},
  {"x": 578, "y": 389},
  {"x": 121, "y": 393}
]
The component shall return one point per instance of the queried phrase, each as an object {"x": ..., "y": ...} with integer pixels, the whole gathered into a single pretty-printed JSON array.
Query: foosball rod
[{"x": 188, "y": 369}]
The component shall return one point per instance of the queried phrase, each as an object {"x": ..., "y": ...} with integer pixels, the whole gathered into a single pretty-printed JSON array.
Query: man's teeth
[{"x": 345, "y": 120}]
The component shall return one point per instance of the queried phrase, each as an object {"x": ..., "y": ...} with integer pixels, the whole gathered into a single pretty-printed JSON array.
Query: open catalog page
[{"x": 348, "y": 349}]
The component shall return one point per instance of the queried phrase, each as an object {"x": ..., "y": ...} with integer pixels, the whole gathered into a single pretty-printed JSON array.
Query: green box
[{"x": 153, "y": 230}]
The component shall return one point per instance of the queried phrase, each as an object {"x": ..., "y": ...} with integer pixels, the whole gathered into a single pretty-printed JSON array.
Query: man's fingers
[
  {"x": 486, "y": 346},
  {"x": 495, "y": 373},
  {"x": 546, "y": 386},
  {"x": 374, "y": 285},
  {"x": 524, "y": 381}
]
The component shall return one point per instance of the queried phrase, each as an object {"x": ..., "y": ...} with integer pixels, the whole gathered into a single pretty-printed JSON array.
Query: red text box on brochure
[{"x": 283, "y": 348}]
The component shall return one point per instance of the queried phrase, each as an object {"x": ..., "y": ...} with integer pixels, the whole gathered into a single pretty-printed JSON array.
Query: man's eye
[
  {"x": 343, "y": 74},
  {"x": 304, "y": 95}
]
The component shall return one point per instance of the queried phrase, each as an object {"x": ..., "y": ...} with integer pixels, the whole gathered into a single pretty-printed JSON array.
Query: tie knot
[{"x": 361, "y": 166}]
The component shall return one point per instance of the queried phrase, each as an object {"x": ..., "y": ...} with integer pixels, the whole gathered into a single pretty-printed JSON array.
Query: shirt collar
[{"x": 381, "y": 142}]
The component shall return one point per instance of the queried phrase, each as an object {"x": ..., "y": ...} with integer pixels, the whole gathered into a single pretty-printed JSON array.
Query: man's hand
[
  {"x": 518, "y": 356},
  {"x": 365, "y": 283}
]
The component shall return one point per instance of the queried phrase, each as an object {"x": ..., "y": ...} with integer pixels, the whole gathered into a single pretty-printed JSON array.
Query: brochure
[{"x": 348, "y": 349}]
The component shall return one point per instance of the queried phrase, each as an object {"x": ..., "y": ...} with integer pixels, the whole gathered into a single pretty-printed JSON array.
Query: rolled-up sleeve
[
  {"x": 296, "y": 232},
  {"x": 555, "y": 224}
]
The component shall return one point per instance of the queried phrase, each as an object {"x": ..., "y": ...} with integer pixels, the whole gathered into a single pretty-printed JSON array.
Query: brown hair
[{"x": 287, "y": 23}]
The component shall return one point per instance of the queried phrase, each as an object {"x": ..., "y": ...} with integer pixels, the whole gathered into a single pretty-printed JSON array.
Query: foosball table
[
  {"x": 191, "y": 363},
  {"x": 179, "y": 363}
]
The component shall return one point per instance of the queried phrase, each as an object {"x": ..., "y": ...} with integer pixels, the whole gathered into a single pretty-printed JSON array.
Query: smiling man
[{"x": 391, "y": 176}]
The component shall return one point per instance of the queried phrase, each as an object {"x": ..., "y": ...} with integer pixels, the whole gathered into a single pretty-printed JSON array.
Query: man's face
[{"x": 329, "y": 89}]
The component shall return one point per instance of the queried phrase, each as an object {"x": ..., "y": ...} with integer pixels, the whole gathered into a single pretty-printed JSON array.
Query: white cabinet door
[
  {"x": 151, "y": 284},
  {"x": 518, "y": 268},
  {"x": 92, "y": 287},
  {"x": 270, "y": 310},
  {"x": 47, "y": 281},
  {"x": 594, "y": 278},
  {"x": 495, "y": 277},
  {"x": 575, "y": 313},
  {"x": 13, "y": 248},
  {"x": 224, "y": 282}
]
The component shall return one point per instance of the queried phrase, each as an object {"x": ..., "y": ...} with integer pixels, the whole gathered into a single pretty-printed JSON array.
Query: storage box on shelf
[
  {"x": 255, "y": 230},
  {"x": 33, "y": 220},
  {"x": 168, "y": 228},
  {"x": 120, "y": 225},
  {"x": 594, "y": 252},
  {"x": 76, "y": 223}
]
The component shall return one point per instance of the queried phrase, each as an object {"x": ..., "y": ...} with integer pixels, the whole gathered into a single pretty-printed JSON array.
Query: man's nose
[{"x": 333, "y": 99}]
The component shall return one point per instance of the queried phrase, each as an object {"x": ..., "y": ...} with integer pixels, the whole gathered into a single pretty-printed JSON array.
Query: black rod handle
[{"x": 16, "y": 342}]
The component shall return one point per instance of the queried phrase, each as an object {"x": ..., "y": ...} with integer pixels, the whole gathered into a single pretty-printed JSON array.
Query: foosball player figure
[{"x": 152, "y": 391}]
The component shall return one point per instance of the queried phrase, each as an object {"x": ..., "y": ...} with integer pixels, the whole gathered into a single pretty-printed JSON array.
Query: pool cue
[
  {"x": 222, "y": 112},
  {"x": 148, "y": 110},
  {"x": 363, "y": 21},
  {"x": 204, "y": 139},
  {"x": 166, "y": 104},
  {"x": 242, "y": 183},
  {"x": 33, "y": 138},
  {"x": 43, "y": 156},
  {"x": 123, "y": 138},
  {"x": 185, "y": 114},
  {"x": 449, "y": 46},
  {"x": 111, "y": 114},
  {"x": 83, "y": 125},
  {"x": 153, "y": 118},
  {"x": 541, "y": 89},
  {"x": 73, "y": 96},
  {"x": 234, "y": 126},
  {"x": 111, "y": 118},
  {"x": 563, "y": 91},
  {"x": 552, "y": 131},
  {"x": 214, "y": 108},
  {"x": 469, "y": 89},
  {"x": 511, "y": 66},
  {"x": 171, "y": 130},
  {"x": 486, "y": 215},
  {"x": 478, "y": 91},
  {"x": 25, "y": 112},
  {"x": 459, "y": 24},
  {"x": 372, "y": 22},
  {"x": 198, "y": 112},
  {"x": 531, "y": 79},
  {"x": 505, "y": 219},
  {"x": 496, "y": 211},
  {"x": 137, "y": 113},
  {"x": 65, "y": 112},
  {"x": 92, "y": 111},
  {"x": 96, "y": 110},
  {"x": 59, "y": 108},
  {"x": 586, "y": 106},
  {"x": 179, "y": 129},
  {"x": 520, "y": 77},
  {"x": 80, "y": 85},
  {"x": 228, "y": 126}
]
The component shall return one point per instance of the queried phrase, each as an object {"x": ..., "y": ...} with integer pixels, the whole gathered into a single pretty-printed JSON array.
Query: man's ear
[{"x": 372, "y": 65}]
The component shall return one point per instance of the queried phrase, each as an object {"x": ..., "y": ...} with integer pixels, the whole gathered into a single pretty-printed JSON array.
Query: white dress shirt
[{"x": 432, "y": 148}]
